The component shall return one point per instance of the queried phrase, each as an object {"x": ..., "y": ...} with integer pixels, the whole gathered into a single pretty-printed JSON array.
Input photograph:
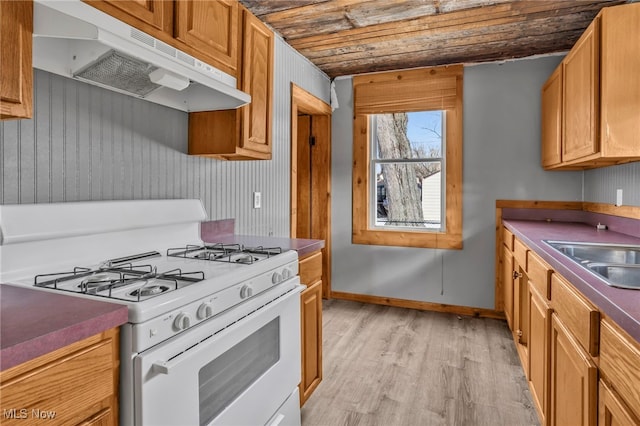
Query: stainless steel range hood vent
[{"x": 75, "y": 40}]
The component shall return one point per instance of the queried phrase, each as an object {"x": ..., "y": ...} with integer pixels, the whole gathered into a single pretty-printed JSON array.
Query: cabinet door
[
  {"x": 612, "y": 411},
  {"x": 507, "y": 283},
  {"x": 158, "y": 14},
  {"x": 521, "y": 314},
  {"x": 211, "y": 28},
  {"x": 257, "y": 80},
  {"x": 581, "y": 100},
  {"x": 539, "y": 323},
  {"x": 573, "y": 380},
  {"x": 552, "y": 119},
  {"x": 16, "y": 73},
  {"x": 311, "y": 320},
  {"x": 620, "y": 85}
]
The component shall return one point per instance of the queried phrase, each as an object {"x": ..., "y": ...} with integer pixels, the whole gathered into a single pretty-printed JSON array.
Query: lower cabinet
[
  {"x": 311, "y": 324},
  {"x": 574, "y": 380},
  {"x": 539, "y": 329},
  {"x": 612, "y": 411},
  {"x": 620, "y": 374},
  {"x": 85, "y": 372},
  {"x": 581, "y": 366}
]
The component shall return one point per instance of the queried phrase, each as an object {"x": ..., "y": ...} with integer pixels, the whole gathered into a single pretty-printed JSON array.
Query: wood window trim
[{"x": 390, "y": 101}]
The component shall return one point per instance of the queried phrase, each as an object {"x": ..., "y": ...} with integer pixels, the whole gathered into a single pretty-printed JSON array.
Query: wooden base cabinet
[
  {"x": 508, "y": 277},
  {"x": 612, "y": 411},
  {"x": 620, "y": 367},
  {"x": 311, "y": 324},
  {"x": 539, "y": 332},
  {"x": 74, "y": 385},
  {"x": 574, "y": 380}
]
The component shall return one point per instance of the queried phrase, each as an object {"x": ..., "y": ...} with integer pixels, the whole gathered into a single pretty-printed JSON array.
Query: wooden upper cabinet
[
  {"x": 205, "y": 29},
  {"x": 16, "y": 73},
  {"x": 158, "y": 14},
  {"x": 600, "y": 96},
  {"x": 581, "y": 85},
  {"x": 243, "y": 133},
  {"x": 257, "y": 80},
  {"x": 620, "y": 84},
  {"x": 210, "y": 27},
  {"x": 552, "y": 119}
]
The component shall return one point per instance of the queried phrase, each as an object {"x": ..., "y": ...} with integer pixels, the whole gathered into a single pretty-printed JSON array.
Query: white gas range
[{"x": 213, "y": 335}]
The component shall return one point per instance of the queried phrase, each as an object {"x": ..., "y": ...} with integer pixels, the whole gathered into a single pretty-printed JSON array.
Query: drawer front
[
  {"x": 507, "y": 238},
  {"x": 84, "y": 377},
  {"x": 580, "y": 316},
  {"x": 539, "y": 274},
  {"x": 520, "y": 253},
  {"x": 619, "y": 361},
  {"x": 311, "y": 268}
]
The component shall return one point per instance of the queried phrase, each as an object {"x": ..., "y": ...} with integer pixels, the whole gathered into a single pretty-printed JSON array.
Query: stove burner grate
[
  {"x": 106, "y": 278},
  {"x": 220, "y": 252}
]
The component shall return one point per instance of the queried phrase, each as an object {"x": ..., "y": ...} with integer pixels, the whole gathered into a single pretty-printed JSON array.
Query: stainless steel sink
[
  {"x": 624, "y": 276},
  {"x": 604, "y": 253},
  {"x": 617, "y": 265}
]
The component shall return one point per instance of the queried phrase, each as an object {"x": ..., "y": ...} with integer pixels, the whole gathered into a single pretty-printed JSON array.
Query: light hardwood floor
[{"x": 392, "y": 366}]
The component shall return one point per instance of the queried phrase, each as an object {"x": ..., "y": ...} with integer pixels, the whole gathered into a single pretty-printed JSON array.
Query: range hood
[{"x": 75, "y": 40}]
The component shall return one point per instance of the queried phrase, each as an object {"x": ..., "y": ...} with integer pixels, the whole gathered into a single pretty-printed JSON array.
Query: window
[{"x": 407, "y": 176}]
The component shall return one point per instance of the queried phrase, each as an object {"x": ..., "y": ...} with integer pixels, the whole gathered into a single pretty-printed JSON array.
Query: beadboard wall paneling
[
  {"x": 87, "y": 143},
  {"x": 600, "y": 184}
]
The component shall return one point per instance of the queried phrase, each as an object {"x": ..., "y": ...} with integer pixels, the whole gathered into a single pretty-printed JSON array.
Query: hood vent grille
[{"x": 115, "y": 70}]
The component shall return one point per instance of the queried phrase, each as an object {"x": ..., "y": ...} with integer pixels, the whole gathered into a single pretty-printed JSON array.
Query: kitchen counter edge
[{"x": 36, "y": 322}]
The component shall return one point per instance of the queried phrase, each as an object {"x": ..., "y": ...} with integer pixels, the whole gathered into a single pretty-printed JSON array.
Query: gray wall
[
  {"x": 87, "y": 143},
  {"x": 501, "y": 157},
  {"x": 600, "y": 184}
]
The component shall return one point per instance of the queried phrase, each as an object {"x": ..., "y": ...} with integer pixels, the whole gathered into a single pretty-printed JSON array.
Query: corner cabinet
[
  {"x": 311, "y": 324},
  {"x": 595, "y": 93},
  {"x": 16, "y": 73},
  {"x": 86, "y": 372},
  {"x": 205, "y": 29},
  {"x": 243, "y": 133}
]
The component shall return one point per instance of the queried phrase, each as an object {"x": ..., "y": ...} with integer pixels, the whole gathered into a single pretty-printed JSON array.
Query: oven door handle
[{"x": 163, "y": 367}]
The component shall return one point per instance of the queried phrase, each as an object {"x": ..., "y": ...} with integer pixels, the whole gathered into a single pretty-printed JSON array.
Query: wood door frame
[{"x": 303, "y": 102}]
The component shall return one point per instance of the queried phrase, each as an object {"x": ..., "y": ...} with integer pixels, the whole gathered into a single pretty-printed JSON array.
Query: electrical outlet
[
  {"x": 257, "y": 200},
  {"x": 618, "y": 197}
]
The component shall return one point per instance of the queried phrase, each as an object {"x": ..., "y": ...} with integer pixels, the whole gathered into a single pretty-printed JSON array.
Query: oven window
[{"x": 227, "y": 376}]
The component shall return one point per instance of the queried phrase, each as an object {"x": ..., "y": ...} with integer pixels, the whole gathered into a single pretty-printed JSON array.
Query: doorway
[{"x": 311, "y": 174}]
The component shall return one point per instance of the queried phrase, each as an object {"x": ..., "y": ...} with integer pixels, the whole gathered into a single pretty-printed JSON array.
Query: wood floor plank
[{"x": 392, "y": 366}]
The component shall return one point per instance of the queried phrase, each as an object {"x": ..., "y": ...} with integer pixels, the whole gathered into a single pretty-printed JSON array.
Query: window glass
[
  {"x": 407, "y": 162},
  {"x": 407, "y": 158}
]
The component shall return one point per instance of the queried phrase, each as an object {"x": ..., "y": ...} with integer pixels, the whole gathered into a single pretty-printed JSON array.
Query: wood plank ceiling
[{"x": 347, "y": 37}]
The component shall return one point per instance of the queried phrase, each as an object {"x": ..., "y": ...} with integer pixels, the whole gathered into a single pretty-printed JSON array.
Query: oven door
[{"x": 236, "y": 369}]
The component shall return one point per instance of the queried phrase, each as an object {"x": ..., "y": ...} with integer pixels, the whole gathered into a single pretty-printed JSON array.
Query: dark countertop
[
  {"x": 36, "y": 322},
  {"x": 302, "y": 246},
  {"x": 621, "y": 305},
  {"x": 222, "y": 231}
]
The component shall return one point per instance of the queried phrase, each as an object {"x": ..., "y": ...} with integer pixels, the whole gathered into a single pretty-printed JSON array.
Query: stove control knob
[
  {"x": 276, "y": 277},
  {"x": 182, "y": 321},
  {"x": 246, "y": 291},
  {"x": 286, "y": 273},
  {"x": 205, "y": 311}
]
